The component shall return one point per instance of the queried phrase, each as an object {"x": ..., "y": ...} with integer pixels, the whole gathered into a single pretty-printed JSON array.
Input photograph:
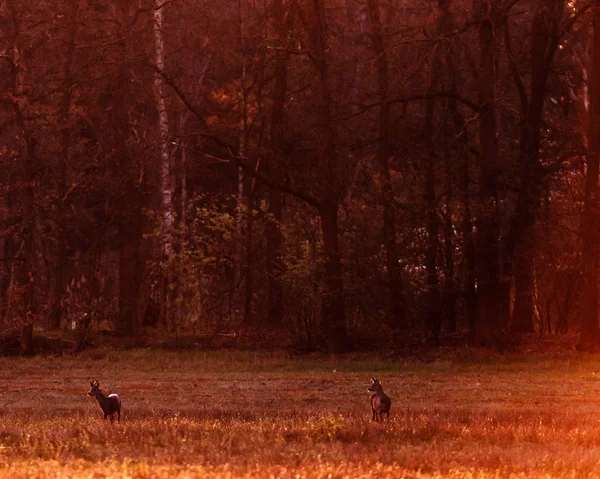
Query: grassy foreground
[{"x": 231, "y": 414}]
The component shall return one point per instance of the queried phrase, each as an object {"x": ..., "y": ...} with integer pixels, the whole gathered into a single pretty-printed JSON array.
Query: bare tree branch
[
  {"x": 260, "y": 176},
  {"x": 515, "y": 72},
  {"x": 468, "y": 103}
]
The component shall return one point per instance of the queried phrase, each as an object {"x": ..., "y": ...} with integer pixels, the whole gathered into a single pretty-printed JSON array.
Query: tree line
[{"x": 335, "y": 169}]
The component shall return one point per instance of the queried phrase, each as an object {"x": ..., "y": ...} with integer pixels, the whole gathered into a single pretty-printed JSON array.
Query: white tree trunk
[{"x": 163, "y": 124}]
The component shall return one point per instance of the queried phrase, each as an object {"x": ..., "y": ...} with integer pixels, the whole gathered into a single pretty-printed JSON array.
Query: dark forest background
[{"x": 333, "y": 170}]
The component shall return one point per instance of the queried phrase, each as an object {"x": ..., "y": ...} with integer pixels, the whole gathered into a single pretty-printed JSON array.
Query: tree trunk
[
  {"x": 130, "y": 216},
  {"x": 334, "y": 315},
  {"x": 273, "y": 227},
  {"x": 432, "y": 283},
  {"x": 334, "y": 318},
  {"x": 546, "y": 30},
  {"x": 459, "y": 132},
  {"x": 449, "y": 297},
  {"x": 165, "y": 166},
  {"x": 129, "y": 280},
  {"x": 590, "y": 329},
  {"x": 453, "y": 128},
  {"x": 163, "y": 126},
  {"x": 243, "y": 146},
  {"x": 26, "y": 278},
  {"x": 55, "y": 315},
  {"x": 274, "y": 264},
  {"x": 397, "y": 311},
  {"x": 249, "y": 271},
  {"x": 491, "y": 323},
  {"x": 522, "y": 317},
  {"x": 470, "y": 292},
  {"x": 25, "y": 274}
]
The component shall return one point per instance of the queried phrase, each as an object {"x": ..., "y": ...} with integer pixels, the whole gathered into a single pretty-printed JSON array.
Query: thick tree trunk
[
  {"x": 275, "y": 170},
  {"x": 459, "y": 132},
  {"x": 544, "y": 42},
  {"x": 24, "y": 270},
  {"x": 523, "y": 309},
  {"x": 388, "y": 232},
  {"x": 129, "y": 281},
  {"x": 130, "y": 216},
  {"x": 434, "y": 313},
  {"x": 334, "y": 318},
  {"x": 590, "y": 329},
  {"x": 60, "y": 174},
  {"x": 492, "y": 294},
  {"x": 334, "y": 314}
]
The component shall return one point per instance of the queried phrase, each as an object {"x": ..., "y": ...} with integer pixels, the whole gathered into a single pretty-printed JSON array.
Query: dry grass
[{"x": 228, "y": 414}]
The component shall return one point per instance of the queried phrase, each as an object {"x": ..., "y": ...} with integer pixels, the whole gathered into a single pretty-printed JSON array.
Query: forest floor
[{"x": 267, "y": 414}]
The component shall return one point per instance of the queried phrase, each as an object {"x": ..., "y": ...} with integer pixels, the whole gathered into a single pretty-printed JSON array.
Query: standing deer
[
  {"x": 380, "y": 402},
  {"x": 110, "y": 405}
]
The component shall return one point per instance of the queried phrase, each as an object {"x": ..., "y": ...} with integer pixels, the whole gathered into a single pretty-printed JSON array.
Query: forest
[{"x": 340, "y": 173}]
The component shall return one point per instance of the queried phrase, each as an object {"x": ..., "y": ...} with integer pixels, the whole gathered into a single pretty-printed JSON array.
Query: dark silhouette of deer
[
  {"x": 110, "y": 405},
  {"x": 380, "y": 402}
]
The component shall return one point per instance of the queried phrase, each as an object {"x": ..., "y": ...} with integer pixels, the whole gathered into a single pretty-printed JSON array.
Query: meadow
[{"x": 252, "y": 414}]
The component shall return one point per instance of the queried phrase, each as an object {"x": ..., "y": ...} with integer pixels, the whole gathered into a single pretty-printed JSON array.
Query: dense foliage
[{"x": 335, "y": 169}]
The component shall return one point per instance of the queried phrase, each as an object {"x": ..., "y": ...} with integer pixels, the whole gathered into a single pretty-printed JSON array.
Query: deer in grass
[
  {"x": 380, "y": 402},
  {"x": 110, "y": 405}
]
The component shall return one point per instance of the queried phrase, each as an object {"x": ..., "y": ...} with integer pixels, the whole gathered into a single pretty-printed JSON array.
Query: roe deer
[
  {"x": 110, "y": 405},
  {"x": 380, "y": 402}
]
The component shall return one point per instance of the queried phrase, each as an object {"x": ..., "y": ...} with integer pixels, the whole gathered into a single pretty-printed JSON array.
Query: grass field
[{"x": 246, "y": 414}]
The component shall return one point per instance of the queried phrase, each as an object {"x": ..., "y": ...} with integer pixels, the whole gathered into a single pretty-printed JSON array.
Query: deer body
[
  {"x": 380, "y": 402},
  {"x": 109, "y": 405}
]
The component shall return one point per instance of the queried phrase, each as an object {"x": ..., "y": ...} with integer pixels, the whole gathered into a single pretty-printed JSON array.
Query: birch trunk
[
  {"x": 163, "y": 126},
  {"x": 165, "y": 164}
]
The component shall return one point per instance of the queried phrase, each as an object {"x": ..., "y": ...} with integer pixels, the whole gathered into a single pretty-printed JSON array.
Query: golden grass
[{"x": 246, "y": 414}]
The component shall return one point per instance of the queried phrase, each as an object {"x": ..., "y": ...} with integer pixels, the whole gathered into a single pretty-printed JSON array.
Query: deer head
[{"x": 95, "y": 389}]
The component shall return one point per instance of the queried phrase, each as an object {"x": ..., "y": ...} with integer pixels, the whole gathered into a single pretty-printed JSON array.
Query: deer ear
[
  {"x": 374, "y": 380},
  {"x": 92, "y": 383}
]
